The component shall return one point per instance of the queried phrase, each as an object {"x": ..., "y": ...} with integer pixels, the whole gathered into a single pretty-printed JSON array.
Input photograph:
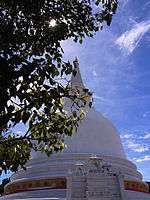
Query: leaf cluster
[{"x": 31, "y": 61}]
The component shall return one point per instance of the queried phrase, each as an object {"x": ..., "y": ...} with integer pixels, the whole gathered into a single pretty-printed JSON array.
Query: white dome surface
[{"x": 95, "y": 135}]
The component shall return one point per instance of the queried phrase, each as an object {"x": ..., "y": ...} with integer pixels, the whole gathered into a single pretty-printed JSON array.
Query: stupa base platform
[
  {"x": 37, "y": 195},
  {"x": 45, "y": 179},
  {"x": 129, "y": 195}
]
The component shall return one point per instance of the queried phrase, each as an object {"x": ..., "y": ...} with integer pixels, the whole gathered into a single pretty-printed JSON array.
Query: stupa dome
[{"x": 95, "y": 135}]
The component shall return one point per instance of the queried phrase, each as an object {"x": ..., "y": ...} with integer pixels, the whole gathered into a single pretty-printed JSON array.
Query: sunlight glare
[{"x": 52, "y": 23}]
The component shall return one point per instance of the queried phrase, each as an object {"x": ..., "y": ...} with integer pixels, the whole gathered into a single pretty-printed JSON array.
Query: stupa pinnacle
[{"x": 77, "y": 79}]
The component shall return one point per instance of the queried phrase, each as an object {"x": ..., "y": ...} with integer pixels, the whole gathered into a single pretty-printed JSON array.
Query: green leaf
[{"x": 33, "y": 70}]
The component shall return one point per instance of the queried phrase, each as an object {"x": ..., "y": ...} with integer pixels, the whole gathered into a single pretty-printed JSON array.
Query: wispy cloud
[
  {"x": 145, "y": 158},
  {"x": 146, "y": 5},
  {"x": 94, "y": 73},
  {"x": 126, "y": 136},
  {"x": 147, "y": 113},
  {"x": 130, "y": 39},
  {"x": 146, "y": 136},
  {"x": 136, "y": 147},
  {"x": 102, "y": 99},
  {"x": 124, "y": 2},
  {"x": 133, "y": 143}
]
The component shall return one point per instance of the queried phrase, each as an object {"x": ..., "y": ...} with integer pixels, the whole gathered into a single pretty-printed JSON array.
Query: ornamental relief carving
[{"x": 100, "y": 181}]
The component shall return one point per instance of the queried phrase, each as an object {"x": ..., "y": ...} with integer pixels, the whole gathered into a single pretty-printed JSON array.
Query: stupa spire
[{"x": 76, "y": 81}]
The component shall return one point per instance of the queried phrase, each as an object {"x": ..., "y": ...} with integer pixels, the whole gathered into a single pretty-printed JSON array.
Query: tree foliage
[{"x": 31, "y": 62}]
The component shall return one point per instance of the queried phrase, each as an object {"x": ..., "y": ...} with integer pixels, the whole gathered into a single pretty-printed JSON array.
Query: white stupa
[{"x": 47, "y": 178}]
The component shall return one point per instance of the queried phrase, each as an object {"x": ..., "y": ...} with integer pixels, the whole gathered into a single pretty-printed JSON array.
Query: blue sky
[{"x": 115, "y": 66}]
